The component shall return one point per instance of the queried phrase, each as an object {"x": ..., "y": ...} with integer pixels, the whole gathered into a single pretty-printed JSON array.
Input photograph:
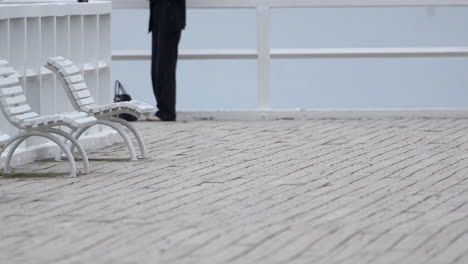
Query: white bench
[
  {"x": 82, "y": 100},
  {"x": 3, "y": 139},
  {"x": 17, "y": 111}
]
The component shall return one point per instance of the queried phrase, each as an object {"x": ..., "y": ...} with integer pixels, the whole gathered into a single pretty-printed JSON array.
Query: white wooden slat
[
  {"x": 7, "y": 82},
  {"x": 78, "y": 86},
  {"x": 15, "y": 100},
  {"x": 127, "y": 105},
  {"x": 18, "y": 110},
  {"x": 7, "y": 71},
  {"x": 62, "y": 64},
  {"x": 89, "y": 109},
  {"x": 78, "y": 119},
  {"x": 73, "y": 70},
  {"x": 19, "y": 119},
  {"x": 81, "y": 94},
  {"x": 75, "y": 115},
  {"x": 96, "y": 109},
  {"x": 142, "y": 107},
  {"x": 27, "y": 116},
  {"x": 112, "y": 107},
  {"x": 74, "y": 79},
  {"x": 26, "y": 123},
  {"x": 30, "y": 122},
  {"x": 84, "y": 122},
  {"x": 85, "y": 101},
  {"x": 11, "y": 91},
  {"x": 42, "y": 120},
  {"x": 54, "y": 119},
  {"x": 53, "y": 60},
  {"x": 99, "y": 109}
]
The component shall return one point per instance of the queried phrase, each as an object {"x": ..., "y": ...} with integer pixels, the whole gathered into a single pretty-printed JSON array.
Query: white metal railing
[
  {"x": 264, "y": 53},
  {"x": 32, "y": 31}
]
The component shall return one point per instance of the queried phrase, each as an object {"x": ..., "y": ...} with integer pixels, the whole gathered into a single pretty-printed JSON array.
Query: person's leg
[
  {"x": 154, "y": 58},
  {"x": 166, "y": 66}
]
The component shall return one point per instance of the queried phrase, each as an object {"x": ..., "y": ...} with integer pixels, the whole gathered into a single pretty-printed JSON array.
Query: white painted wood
[
  {"x": 81, "y": 94},
  {"x": 32, "y": 31},
  {"x": 78, "y": 86},
  {"x": 10, "y": 81},
  {"x": 106, "y": 114},
  {"x": 11, "y": 91},
  {"x": 83, "y": 100},
  {"x": 74, "y": 79},
  {"x": 6, "y": 71},
  {"x": 20, "y": 99},
  {"x": 72, "y": 70}
]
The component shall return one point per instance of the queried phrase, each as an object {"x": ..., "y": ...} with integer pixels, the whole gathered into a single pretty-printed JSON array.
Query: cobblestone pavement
[{"x": 322, "y": 191}]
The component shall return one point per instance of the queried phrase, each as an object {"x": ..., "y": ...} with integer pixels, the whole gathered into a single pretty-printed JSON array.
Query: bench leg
[
  {"x": 119, "y": 130},
  {"x": 16, "y": 142},
  {"x": 135, "y": 133},
  {"x": 20, "y": 138},
  {"x": 75, "y": 142}
]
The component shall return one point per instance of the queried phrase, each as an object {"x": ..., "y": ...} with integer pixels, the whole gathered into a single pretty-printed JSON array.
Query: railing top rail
[
  {"x": 17, "y": 9},
  {"x": 124, "y": 4}
]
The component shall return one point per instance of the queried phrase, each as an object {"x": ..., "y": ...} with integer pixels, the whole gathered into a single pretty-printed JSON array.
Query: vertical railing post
[{"x": 264, "y": 58}]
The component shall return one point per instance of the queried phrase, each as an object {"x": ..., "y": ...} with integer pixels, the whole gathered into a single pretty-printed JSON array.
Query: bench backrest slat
[
  {"x": 6, "y": 71},
  {"x": 73, "y": 83},
  {"x": 13, "y": 102},
  {"x": 8, "y": 81},
  {"x": 74, "y": 79},
  {"x": 15, "y": 90}
]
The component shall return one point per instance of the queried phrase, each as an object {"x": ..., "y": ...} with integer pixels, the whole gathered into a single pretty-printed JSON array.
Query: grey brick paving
[{"x": 319, "y": 191}]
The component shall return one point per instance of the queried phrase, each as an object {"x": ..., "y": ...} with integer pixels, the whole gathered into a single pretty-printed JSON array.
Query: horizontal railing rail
[
  {"x": 137, "y": 4},
  {"x": 264, "y": 53}
]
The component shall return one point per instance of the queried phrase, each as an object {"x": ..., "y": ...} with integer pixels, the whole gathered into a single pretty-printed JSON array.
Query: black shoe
[{"x": 164, "y": 118}]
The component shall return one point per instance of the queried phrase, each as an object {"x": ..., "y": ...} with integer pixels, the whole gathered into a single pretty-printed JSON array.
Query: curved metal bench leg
[
  {"x": 58, "y": 155},
  {"x": 16, "y": 141},
  {"x": 119, "y": 130},
  {"x": 123, "y": 134},
  {"x": 74, "y": 142},
  {"x": 62, "y": 145},
  {"x": 134, "y": 131},
  {"x": 20, "y": 138}
]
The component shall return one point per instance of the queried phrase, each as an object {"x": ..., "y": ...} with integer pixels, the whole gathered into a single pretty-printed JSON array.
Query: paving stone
[{"x": 316, "y": 191}]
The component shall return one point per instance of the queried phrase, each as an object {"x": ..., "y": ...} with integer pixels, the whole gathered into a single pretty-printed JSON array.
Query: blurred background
[{"x": 308, "y": 83}]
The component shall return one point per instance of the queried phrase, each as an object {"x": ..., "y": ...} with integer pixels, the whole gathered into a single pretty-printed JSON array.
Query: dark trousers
[{"x": 163, "y": 72}]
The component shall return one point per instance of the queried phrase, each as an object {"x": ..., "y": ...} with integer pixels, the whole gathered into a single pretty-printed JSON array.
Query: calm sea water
[{"x": 309, "y": 83}]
